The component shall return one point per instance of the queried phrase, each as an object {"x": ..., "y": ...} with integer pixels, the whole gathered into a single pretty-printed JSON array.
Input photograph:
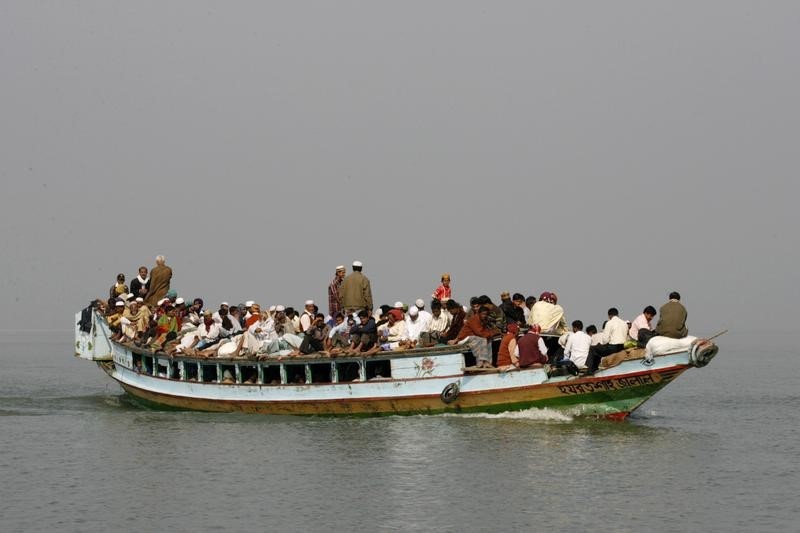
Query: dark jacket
[{"x": 456, "y": 323}]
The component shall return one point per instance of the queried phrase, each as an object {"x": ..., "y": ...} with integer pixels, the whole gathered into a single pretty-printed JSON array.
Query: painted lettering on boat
[{"x": 606, "y": 385}]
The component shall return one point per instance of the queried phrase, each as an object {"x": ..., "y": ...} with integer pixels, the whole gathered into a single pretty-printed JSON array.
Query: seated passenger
[
  {"x": 393, "y": 333},
  {"x": 119, "y": 288},
  {"x": 228, "y": 326},
  {"x": 591, "y": 330},
  {"x": 397, "y": 311},
  {"x": 477, "y": 333},
  {"x": 166, "y": 328},
  {"x": 217, "y": 316},
  {"x": 115, "y": 318},
  {"x": 423, "y": 314},
  {"x": 457, "y": 318},
  {"x": 531, "y": 348},
  {"x": 307, "y": 318},
  {"x": 439, "y": 324},
  {"x": 548, "y": 315},
  {"x": 292, "y": 317},
  {"x": 507, "y": 354},
  {"x": 415, "y": 324},
  {"x": 314, "y": 336},
  {"x": 672, "y": 318},
  {"x": 516, "y": 312},
  {"x": 134, "y": 321},
  {"x": 364, "y": 334},
  {"x": 497, "y": 318},
  {"x": 578, "y": 345},
  {"x": 641, "y": 329},
  {"x": 339, "y": 335},
  {"x": 612, "y": 340}
]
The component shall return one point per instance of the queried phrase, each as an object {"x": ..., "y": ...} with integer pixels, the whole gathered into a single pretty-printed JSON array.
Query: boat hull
[
  {"x": 614, "y": 397},
  {"x": 421, "y": 382}
]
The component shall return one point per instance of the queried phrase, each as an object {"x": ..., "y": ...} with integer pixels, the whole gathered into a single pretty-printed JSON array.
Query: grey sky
[{"x": 608, "y": 151}]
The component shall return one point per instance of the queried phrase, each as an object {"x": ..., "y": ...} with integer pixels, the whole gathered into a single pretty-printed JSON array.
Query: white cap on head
[
  {"x": 280, "y": 308},
  {"x": 179, "y": 301},
  {"x": 119, "y": 303},
  {"x": 272, "y": 308},
  {"x": 249, "y": 303},
  {"x": 139, "y": 300},
  {"x": 225, "y": 304},
  {"x": 309, "y": 302},
  {"x": 413, "y": 311},
  {"x": 358, "y": 264},
  {"x": 420, "y": 303},
  {"x": 340, "y": 267},
  {"x": 398, "y": 305}
]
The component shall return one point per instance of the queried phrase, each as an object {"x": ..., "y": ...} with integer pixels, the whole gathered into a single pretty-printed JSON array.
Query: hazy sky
[{"x": 607, "y": 151}]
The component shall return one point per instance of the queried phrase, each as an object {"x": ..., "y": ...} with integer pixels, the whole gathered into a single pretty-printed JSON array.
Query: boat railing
[{"x": 292, "y": 370}]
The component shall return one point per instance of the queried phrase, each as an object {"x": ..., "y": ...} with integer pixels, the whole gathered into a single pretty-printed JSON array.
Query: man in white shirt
[
  {"x": 642, "y": 323},
  {"x": 307, "y": 318},
  {"x": 578, "y": 345},
  {"x": 423, "y": 314},
  {"x": 612, "y": 340},
  {"x": 415, "y": 324}
]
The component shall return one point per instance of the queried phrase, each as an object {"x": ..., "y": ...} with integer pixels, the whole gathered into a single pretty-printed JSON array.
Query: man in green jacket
[
  {"x": 672, "y": 318},
  {"x": 356, "y": 291}
]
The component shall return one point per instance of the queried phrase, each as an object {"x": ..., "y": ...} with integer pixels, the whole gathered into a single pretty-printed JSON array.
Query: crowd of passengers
[{"x": 532, "y": 331}]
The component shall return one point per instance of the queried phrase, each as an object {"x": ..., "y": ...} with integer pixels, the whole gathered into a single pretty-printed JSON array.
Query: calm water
[{"x": 718, "y": 450}]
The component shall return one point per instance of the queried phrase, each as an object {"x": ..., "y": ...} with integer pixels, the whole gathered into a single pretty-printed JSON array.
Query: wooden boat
[{"x": 419, "y": 381}]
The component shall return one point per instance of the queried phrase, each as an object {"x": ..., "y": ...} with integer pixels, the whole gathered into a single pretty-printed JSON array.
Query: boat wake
[{"x": 539, "y": 415}]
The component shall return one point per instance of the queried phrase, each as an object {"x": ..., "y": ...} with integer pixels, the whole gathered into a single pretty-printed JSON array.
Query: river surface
[{"x": 717, "y": 450}]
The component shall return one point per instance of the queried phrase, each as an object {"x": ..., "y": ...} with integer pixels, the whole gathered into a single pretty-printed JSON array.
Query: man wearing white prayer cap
[
  {"x": 415, "y": 324},
  {"x": 334, "y": 291},
  {"x": 423, "y": 314},
  {"x": 356, "y": 291},
  {"x": 217, "y": 316},
  {"x": 307, "y": 318},
  {"x": 247, "y": 305}
]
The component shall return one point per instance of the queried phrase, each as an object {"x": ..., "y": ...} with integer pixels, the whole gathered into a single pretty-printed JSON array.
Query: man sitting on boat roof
[
  {"x": 457, "y": 318},
  {"x": 415, "y": 324},
  {"x": 364, "y": 334},
  {"x": 477, "y": 333},
  {"x": 612, "y": 340},
  {"x": 672, "y": 318},
  {"x": 548, "y": 315},
  {"x": 308, "y": 315},
  {"x": 438, "y": 325},
  {"x": 393, "y": 333}
]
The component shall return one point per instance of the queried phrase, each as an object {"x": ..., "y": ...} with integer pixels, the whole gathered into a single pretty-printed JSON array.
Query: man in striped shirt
[{"x": 334, "y": 298}]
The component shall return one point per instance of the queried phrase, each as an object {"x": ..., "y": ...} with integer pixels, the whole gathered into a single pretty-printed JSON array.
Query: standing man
[
  {"x": 672, "y": 318},
  {"x": 356, "y": 291},
  {"x": 140, "y": 284},
  {"x": 334, "y": 292},
  {"x": 160, "y": 277}
]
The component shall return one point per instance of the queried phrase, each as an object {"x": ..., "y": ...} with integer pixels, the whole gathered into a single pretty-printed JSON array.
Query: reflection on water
[{"x": 76, "y": 454}]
